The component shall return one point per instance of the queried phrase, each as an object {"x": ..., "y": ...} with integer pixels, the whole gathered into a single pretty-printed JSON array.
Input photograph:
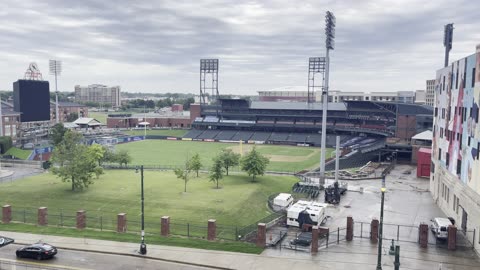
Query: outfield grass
[
  {"x": 174, "y": 153},
  {"x": 18, "y": 153},
  {"x": 160, "y": 132},
  {"x": 238, "y": 203},
  {"x": 100, "y": 116}
]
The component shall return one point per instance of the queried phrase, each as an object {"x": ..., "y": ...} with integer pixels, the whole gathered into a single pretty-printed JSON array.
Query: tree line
[{"x": 253, "y": 163}]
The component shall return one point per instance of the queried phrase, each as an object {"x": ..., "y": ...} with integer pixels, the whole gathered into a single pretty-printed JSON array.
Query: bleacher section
[
  {"x": 242, "y": 136},
  {"x": 297, "y": 137},
  {"x": 279, "y": 137},
  {"x": 208, "y": 134},
  {"x": 355, "y": 160},
  {"x": 260, "y": 136},
  {"x": 192, "y": 134},
  {"x": 226, "y": 135}
]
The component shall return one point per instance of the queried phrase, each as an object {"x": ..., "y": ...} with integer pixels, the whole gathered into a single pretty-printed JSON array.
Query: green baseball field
[{"x": 174, "y": 153}]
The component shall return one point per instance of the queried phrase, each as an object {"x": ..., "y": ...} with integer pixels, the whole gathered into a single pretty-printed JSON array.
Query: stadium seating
[
  {"x": 357, "y": 159},
  {"x": 208, "y": 134},
  {"x": 260, "y": 136},
  {"x": 242, "y": 136},
  {"x": 226, "y": 135},
  {"x": 193, "y": 134},
  {"x": 278, "y": 137}
]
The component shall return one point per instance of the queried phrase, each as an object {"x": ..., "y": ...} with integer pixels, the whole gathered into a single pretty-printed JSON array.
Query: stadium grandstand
[{"x": 362, "y": 125}]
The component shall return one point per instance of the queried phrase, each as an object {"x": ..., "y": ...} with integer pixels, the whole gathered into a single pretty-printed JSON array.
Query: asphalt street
[{"x": 79, "y": 260}]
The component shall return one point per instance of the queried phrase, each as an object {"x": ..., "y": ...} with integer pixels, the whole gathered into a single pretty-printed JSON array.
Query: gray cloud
[{"x": 156, "y": 46}]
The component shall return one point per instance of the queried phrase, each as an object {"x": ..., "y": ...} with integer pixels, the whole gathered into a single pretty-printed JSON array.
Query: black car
[{"x": 37, "y": 251}]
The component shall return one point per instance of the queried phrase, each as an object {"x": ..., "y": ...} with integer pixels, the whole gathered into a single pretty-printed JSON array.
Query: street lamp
[
  {"x": 380, "y": 228},
  {"x": 143, "y": 246}
]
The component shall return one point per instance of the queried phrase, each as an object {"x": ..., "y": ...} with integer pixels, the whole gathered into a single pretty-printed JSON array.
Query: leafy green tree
[
  {"x": 229, "y": 159},
  {"x": 217, "y": 170},
  {"x": 254, "y": 163},
  {"x": 184, "y": 173},
  {"x": 57, "y": 133},
  {"x": 195, "y": 163},
  {"x": 123, "y": 157},
  {"x": 108, "y": 156},
  {"x": 72, "y": 117},
  {"x": 73, "y": 163},
  {"x": 97, "y": 152}
]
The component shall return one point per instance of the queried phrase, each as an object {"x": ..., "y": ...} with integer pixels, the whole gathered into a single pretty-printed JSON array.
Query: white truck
[
  {"x": 283, "y": 200},
  {"x": 306, "y": 212}
]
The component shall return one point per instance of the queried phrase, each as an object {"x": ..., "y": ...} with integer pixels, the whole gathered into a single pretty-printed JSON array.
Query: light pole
[
  {"x": 56, "y": 69},
  {"x": 380, "y": 228},
  {"x": 143, "y": 246}
]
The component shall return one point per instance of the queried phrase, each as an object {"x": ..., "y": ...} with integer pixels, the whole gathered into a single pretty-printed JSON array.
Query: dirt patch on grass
[{"x": 275, "y": 158}]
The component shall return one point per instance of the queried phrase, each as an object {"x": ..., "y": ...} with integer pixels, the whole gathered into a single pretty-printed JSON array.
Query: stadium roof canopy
[
  {"x": 272, "y": 105},
  {"x": 427, "y": 135}
]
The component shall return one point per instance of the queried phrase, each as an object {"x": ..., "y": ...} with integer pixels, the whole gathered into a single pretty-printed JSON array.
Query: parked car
[
  {"x": 439, "y": 227},
  {"x": 37, "y": 251},
  {"x": 303, "y": 239}
]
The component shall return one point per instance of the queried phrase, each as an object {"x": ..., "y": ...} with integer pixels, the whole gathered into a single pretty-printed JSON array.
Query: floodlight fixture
[
  {"x": 447, "y": 41},
  {"x": 330, "y": 23}
]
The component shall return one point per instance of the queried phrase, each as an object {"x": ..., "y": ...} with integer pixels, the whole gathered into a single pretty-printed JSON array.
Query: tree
[
  {"x": 123, "y": 157},
  {"x": 58, "y": 131},
  {"x": 195, "y": 163},
  {"x": 254, "y": 163},
  {"x": 97, "y": 152},
  {"x": 72, "y": 117},
  {"x": 184, "y": 173},
  {"x": 73, "y": 162},
  {"x": 216, "y": 172},
  {"x": 108, "y": 156},
  {"x": 229, "y": 159}
]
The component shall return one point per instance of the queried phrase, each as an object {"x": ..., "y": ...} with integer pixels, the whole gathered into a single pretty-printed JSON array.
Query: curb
[{"x": 138, "y": 256}]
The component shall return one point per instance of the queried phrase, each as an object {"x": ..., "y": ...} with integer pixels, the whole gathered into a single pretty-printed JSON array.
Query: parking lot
[{"x": 407, "y": 204}]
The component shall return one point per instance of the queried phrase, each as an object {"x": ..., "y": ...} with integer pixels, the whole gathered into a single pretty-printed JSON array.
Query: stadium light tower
[
  {"x": 56, "y": 69},
  {"x": 330, "y": 44},
  {"x": 447, "y": 41}
]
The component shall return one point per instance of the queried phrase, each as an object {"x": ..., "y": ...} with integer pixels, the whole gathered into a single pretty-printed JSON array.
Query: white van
[
  {"x": 283, "y": 200},
  {"x": 439, "y": 227}
]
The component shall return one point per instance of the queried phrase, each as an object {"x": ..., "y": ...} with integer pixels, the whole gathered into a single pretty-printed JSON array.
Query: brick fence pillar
[
  {"x": 374, "y": 231},
  {"x": 43, "y": 216},
  {"x": 81, "y": 219},
  {"x": 452, "y": 237},
  {"x": 6, "y": 214},
  {"x": 165, "y": 226},
  {"x": 314, "y": 246},
  {"x": 423, "y": 235},
  {"x": 122, "y": 223},
  {"x": 349, "y": 228},
  {"x": 212, "y": 227},
  {"x": 323, "y": 231},
  {"x": 261, "y": 235}
]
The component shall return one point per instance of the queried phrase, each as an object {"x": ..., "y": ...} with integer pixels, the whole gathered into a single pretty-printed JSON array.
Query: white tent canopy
[
  {"x": 427, "y": 135},
  {"x": 144, "y": 123}
]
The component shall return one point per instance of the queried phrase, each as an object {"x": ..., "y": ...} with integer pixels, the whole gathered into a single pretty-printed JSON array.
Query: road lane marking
[{"x": 43, "y": 264}]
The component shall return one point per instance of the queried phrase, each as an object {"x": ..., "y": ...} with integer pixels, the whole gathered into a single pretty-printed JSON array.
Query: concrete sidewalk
[{"x": 358, "y": 254}]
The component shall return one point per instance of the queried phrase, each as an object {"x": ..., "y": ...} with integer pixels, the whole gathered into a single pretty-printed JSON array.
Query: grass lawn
[
  {"x": 19, "y": 153},
  {"x": 100, "y": 116},
  {"x": 174, "y": 153},
  {"x": 133, "y": 238},
  {"x": 161, "y": 132},
  {"x": 238, "y": 203}
]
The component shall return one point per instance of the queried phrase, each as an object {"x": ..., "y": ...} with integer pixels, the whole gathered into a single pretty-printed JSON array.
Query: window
[
  {"x": 448, "y": 195},
  {"x": 458, "y": 136},
  {"x": 459, "y": 166},
  {"x": 440, "y": 153},
  {"x": 457, "y": 206},
  {"x": 454, "y": 202},
  {"x": 456, "y": 78},
  {"x": 436, "y": 111},
  {"x": 432, "y": 167},
  {"x": 441, "y": 132},
  {"x": 473, "y": 77},
  {"x": 447, "y": 158},
  {"x": 469, "y": 140},
  {"x": 443, "y": 113},
  {"x": 443, "y": 84}
]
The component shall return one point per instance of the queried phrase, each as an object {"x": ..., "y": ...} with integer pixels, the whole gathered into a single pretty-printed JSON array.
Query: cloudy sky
[{"x": 155, "y": 46}]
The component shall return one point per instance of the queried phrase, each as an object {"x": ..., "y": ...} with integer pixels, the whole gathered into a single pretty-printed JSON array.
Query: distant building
[
  {"x": 455, "y": 177},
  {"x": 98, "y": 93},
  {"x": 10, "y": 121},
  {"x": 65, "y": 109},
  {"x": 299, "y": 94},
  {"x": 420, "y": 97},
  {"x": 430, "y": 94}
]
